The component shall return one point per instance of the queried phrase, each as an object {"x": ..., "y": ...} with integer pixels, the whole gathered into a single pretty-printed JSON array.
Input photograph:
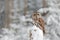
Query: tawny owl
[{"x": 38, "y": 19}]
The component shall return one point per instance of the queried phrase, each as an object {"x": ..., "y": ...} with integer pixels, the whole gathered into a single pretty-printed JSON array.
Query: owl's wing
[
  {"x": 42, "y": 24},
  {"x": 41, "y": 21}
]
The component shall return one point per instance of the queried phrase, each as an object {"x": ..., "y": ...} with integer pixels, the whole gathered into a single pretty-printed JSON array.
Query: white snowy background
[{"x": 20, "y": 25}]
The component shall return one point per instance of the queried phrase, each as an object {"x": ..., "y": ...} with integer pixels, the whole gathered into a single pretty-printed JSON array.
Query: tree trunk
[{"x": 8, "y": 11}]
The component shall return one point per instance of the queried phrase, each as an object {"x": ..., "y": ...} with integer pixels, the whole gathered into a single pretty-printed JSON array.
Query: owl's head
[{"x": 36, "y": 15}]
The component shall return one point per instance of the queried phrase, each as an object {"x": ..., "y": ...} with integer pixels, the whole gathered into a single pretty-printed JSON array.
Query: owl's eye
[
  {"x": 37, "y": 14},
  {"x": 34, "y": 14}
]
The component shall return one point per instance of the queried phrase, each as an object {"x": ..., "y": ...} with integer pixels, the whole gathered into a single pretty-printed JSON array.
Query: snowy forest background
[{"x": 20, "y": 25}]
